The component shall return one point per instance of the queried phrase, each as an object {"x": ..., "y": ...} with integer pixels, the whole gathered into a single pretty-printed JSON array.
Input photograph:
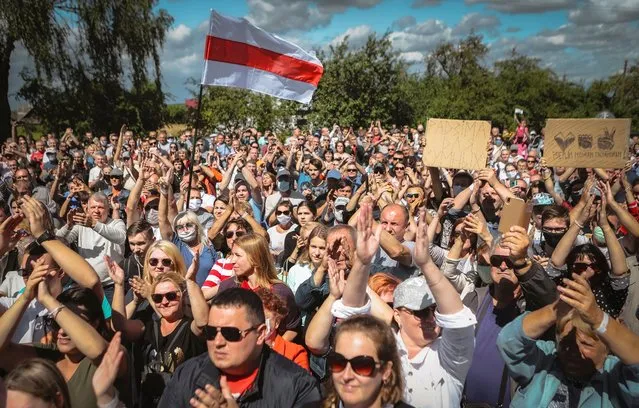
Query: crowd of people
[{"x": 328, "y": 268}]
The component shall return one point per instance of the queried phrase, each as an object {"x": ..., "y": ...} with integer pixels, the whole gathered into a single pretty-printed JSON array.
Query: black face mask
[{"x": 553, "y": 238}]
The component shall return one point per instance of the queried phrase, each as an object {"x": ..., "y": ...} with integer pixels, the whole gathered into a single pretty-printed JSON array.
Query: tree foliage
[{"x": 97, "y": 62}]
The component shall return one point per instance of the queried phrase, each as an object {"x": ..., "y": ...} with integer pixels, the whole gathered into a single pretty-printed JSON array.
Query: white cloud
[
  {"x": 414, "y": 57},
  {"x": 179, "y": 33},
  {"x": 357, "y": 36}
]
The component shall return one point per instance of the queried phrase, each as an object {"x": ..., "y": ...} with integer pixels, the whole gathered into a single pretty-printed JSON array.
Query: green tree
[
  {"x": 84, "y": 53},
  {"x": 361, "y": 85}
]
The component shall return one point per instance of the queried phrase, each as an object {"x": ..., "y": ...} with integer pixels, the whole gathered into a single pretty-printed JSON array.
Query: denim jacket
[{"x": 534, "y": 365}]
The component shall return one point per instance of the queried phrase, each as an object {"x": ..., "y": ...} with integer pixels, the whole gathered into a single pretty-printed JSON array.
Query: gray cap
[
  {"x": 413, "y": 294},
  {"x": 116, "y": 172}
]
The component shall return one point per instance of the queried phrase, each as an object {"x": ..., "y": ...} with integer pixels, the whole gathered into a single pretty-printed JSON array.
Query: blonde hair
[
  {"x": 171, "y": 251},
  {"x": 257, "y": 251},
  {"x": 172, "y": 277},
  {"x": 192, "y": 218},
  {"x": 577, "y": 322}
]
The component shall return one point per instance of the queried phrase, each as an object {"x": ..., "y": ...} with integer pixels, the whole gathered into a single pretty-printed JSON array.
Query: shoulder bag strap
[
  {"x": 502, "y": 387},
  {"x": 178, "y": 331}
]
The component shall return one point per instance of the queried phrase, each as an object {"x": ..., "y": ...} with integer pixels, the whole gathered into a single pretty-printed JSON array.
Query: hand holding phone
[{"x": 515, "y": 212}]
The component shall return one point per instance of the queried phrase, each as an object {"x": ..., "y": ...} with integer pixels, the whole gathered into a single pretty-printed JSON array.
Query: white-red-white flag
[{"x": 241, "y": 55}]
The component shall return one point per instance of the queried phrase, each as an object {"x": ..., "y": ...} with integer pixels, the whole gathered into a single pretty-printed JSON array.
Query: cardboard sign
[
  {"x": 456, "y": 144},
  {"x": 585, "y": 143}
]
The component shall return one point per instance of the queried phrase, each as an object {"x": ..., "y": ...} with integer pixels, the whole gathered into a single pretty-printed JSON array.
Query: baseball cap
[
  {"x": 116, "y": 172},
  {"x": 514, "y": 148},
  {"x": 334, "y": 174},
  {"x": 542, "y": 199},
  {"x": 413, "y": 294},
  {"x": 283, "y": 172}
]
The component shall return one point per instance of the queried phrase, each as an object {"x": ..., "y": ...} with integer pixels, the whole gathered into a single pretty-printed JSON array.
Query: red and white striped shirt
[{"x": 221, "y": 271}]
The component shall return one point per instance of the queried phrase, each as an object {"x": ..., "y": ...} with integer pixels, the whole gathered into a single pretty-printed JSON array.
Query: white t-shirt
[
  {"x": 12, "y": 284},
  {"x": 94, "y": 174},
  {"x": 298, "y": 274},
  {"x": 31, "y": 326},
  {"x": 277, "y": 238}
]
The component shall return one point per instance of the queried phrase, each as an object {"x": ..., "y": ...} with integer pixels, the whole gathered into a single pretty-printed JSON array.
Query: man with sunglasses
[
  {"x": 116, "y": 191},
  {"x": 518, "y": 284},
  {"x": 239, "y": 370}
]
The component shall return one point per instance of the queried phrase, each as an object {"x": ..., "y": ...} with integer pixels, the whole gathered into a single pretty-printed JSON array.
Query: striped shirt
[{"x": 222, "y": 270}]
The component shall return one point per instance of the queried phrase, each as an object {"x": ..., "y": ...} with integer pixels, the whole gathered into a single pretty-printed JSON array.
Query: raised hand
[
  {"x": 336, "y": 280},
  {"x": 577, "y": 293},
  {"x": 83, "y": 219},
  {"x": 517, "y": 240},
  {"x": 195, "y": 265},
  {"x": 141, "y": 289},
  {"x": 38, "y": 274},
  {"x": 445, "y": 206},
  {"x": 115, "y": 272},
  {"x": 421, "y": 255},
  {"x": 367, "y": 240},
  {"x": 107, "y": 371},
  {"x": 587, "y": 212},
  {"x": 8, "y": 237},
  {"x": 36, "y": 215}
]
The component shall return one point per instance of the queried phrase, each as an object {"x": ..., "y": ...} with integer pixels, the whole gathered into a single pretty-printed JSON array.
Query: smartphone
[{"x": 515, "y": 212}]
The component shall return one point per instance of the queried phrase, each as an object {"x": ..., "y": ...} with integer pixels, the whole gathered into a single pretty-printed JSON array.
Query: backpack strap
[
  {"x": 178, "y": 331},
  {"x": 502, "y": 387}
]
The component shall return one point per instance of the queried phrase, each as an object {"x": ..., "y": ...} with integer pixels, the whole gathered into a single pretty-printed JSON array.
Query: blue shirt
[{"x": 207, "y": 259}]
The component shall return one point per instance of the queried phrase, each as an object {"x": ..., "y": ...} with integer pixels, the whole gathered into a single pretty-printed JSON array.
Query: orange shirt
[
  {"x": 238, "y": 385},
  {"x": 292, "y": 351}
]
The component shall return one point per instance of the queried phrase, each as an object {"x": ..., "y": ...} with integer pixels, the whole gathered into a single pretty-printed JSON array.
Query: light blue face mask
[{"x": 484, "y": 274}]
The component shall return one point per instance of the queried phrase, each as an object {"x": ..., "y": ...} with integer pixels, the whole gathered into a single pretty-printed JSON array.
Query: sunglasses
[
  {"x": 361, "y": 365},
  {"x": 170, "y": 296},
  {"x": 181, "y": 227},
  {"x": 497, "y": 260},
  {"x": 165, "y": 262},
  {"x": 232, "y": 334},
  {"x": 580, "y": 267},
  {"x": 415, "y": 195},
  {"x": 379, "y": 171},
  {"x": 349, "y": 170},
  {"x": 283, "y": 212},
  {"x": 231, "y": 234},
  {"x": 422, "y": 314},
  {"x": 531, "y": 161}
]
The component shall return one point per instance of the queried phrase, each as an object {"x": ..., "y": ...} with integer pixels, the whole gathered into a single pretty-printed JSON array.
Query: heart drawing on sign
[{"x": 562, "y": 142}]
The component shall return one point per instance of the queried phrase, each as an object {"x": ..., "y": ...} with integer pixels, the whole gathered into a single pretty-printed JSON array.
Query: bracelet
[
  {"x": 604, "y": 324},
  {"x": 579, "y": 225},
  {"x": 54, "y": 313}
]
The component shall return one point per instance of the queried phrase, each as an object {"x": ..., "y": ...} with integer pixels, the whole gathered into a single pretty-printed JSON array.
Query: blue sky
[{"x": 581, "y": 39}]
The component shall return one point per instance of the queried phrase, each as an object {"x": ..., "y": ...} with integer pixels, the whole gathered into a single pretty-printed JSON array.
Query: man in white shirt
[
  {"x": 95, "y": 174},
  {"x": 97, "y": 235},
  {"x": 436, "y": 337}
]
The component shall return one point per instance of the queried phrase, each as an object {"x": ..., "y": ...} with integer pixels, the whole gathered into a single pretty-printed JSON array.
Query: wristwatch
[{"x": 46, "y": 236}]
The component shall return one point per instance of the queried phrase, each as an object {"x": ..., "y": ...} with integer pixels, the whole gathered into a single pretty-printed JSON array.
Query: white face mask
[
  {"x": 195, "y": 204},
  {"x": 152, "y": 217},
  {"x": 511, "y": 174},
  {"x": 283, "y": 219},
  {"x": 187, "y": 235}
]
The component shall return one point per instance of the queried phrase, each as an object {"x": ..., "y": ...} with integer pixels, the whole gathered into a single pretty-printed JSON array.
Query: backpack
[{"x": 160, "y": 366}]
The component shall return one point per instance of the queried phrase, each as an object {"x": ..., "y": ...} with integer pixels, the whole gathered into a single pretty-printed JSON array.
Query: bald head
[{"x": 394, "y": 220}]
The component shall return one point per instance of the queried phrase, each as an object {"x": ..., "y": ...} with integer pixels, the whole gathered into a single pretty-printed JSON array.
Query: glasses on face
[
  {"x": 199, "y": 144},
  {"x": 413, "y": 195},
  {"x": 400, "y": 168},
  {"x": 532, "y": 161},
  {"x": 351, "y": 170},
  {"x": 153, "y": 143},
  {"x": 422, "y": 314},
  {"x": 287, "y": 212},
  {"x": 379, "y": 171},
  {"x": 166, "y": 262},
  {"x": 231, "y": 234},
  {"x": 580, "y": 267},
  {"x": 497, "y": 260},
  {"x": 361, "y": 365},
  {"x": 188, "y": 225},
  {"x": 115, "y": 177},
  {"x": 232, "y": 334},
  {"x": 170, "y": 296}
]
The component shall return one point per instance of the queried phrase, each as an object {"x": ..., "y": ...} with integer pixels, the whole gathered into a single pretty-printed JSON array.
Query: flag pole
[{"x": 197, "y": 127}]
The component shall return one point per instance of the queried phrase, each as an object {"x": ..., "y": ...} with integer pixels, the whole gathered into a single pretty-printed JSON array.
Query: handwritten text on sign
[
  {"x": 456, "y": 144},
  {"x": 587, "y": 142}
]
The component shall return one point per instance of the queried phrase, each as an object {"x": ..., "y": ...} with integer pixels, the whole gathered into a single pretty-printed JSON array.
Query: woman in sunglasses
[
  {"x": 609, "y": 281},
  {"x": 254, "y": 268},
  {"x": 175, "y": 338},
  {"x": 365, "y": 367},
  {"x": 223, "y": 268}
]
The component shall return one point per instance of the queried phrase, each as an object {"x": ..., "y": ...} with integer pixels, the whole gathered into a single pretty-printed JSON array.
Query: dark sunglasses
[
  {"x": 170, "y": 296},
  {"x": 497, "y": 260},
  {"x": 399, "y": 167},
  {"x": 361, "y": 365},
  {"x": 165, "y": 262},
  {"x": 531, "y": 161},
  {"x": 424, "y": 313},
  {"x": 231, "y": 234},
  {"x": 232, "y": 334},
  {"x": 380, "y": 171},
  {"x": 287, "y": 212},
  {"x": 580, "y": 267},
  {"x": 415, "y": 195},
  {"x": 351, "y": 169}
]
